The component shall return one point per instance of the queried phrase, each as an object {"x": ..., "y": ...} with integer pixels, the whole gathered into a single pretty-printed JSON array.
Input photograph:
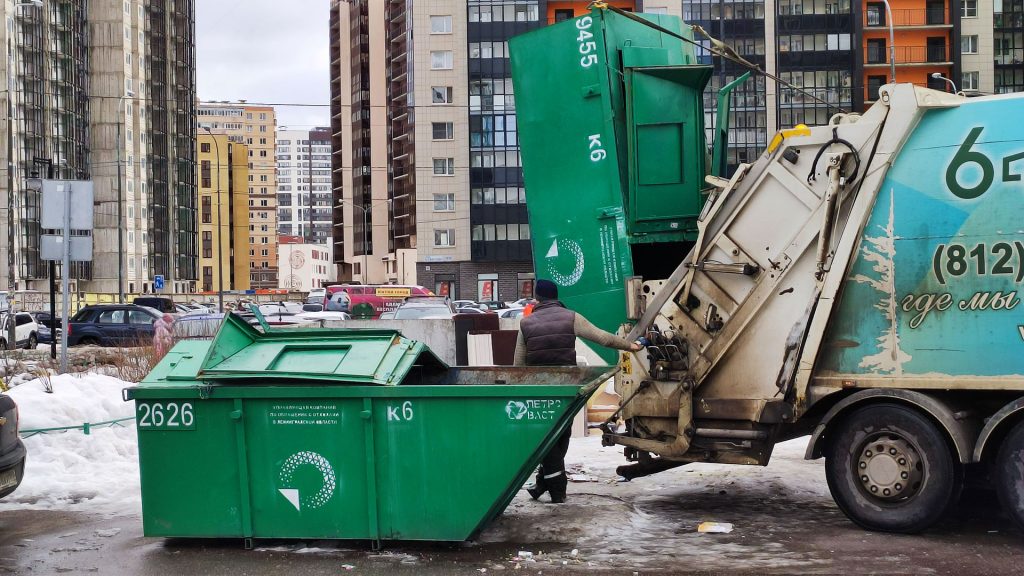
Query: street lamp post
[
  {"x": 365, "y": 240},
  {"x": 120, "y": 197},
  {"x": 892, "y": 40},
  {"x": 220, "y": 240},
  {"x": 939, "y": 76}
]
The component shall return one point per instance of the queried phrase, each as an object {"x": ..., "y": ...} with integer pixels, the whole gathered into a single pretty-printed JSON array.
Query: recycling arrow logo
[
  {"x": 565, "y": 261},
  {"x": 308, "y": 499}
]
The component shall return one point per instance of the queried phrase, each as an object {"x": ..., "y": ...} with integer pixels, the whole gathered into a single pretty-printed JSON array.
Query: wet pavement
[{"x": 638, "y": 528}]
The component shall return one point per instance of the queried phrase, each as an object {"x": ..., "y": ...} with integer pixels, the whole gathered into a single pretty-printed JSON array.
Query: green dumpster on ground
[{"x": 351, "y": 434}]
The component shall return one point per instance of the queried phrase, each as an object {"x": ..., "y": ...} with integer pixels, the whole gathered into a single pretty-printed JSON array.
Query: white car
[
  {"x": 511, "y": 313},
  {"x": 26, "y": 331},
  {"x": 316, "y": 295}
]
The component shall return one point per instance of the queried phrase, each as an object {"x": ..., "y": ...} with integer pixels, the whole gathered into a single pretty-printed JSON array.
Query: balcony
[
  {"x": 1009, "y": 57},
  {"x": 877, "y": 55},
  {"x": 927, "y": 18},
  {"x": 1008, "y": 20}
]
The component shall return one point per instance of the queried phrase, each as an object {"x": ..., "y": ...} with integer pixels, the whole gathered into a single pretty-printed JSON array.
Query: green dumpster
[
  {"x": 610, "y": 117},
  {"x": 350, "y": 434}
]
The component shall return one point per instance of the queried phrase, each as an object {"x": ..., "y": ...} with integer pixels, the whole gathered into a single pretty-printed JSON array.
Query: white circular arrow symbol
[
  {"x": 574, "y": 249},
  {"x": 323, "y": 495}
]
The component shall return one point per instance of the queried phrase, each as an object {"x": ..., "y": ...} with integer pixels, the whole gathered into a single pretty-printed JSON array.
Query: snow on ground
[{"x": 70, "y": 470}]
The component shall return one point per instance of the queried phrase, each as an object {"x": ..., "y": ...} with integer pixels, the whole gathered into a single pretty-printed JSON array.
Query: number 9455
[{"x": 587, "y": 46}]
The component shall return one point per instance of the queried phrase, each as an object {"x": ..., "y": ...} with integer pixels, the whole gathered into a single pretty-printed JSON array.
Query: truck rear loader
[{"x": 858, "y": 283}]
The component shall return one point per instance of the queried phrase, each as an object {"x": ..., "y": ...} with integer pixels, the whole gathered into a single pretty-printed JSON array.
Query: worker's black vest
[{"x": 550, "y": 335}]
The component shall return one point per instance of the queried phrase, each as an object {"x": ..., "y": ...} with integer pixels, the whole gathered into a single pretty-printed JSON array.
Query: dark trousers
[{"x": 551, "y": 477}]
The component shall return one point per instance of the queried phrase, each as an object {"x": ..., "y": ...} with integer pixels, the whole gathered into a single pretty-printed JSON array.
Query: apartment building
[
  {"x": 304, "y": 184},
  {"x": 992, "y": 46},
  {"x": 102, "y": 91},
  {"x": 836, "y": 52},
  {"x": 223, "y": 213},
  {"x": 256, "y": 127},
  {"x": 425, "y": 144},
  {"x": 305, "y": 266}
]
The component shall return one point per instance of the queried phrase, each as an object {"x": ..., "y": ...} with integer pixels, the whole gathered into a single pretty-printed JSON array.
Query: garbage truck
[{"x": 858, "y": 283}]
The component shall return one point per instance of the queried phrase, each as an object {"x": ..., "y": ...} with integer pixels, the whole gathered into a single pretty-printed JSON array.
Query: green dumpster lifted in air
[{"x": 350, "y": 434}]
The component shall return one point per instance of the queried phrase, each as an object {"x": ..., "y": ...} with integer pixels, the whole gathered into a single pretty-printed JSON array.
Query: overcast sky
[{"x": 266, "y": 51}]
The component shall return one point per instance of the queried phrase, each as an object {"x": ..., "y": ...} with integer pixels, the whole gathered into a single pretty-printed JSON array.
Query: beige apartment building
[
  {"x": 256, "y": 128},
  {"x": 223, "y": 207}
]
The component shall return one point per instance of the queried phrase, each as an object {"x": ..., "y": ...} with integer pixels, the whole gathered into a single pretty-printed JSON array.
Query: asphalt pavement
[{"x": 644, "y": 527}]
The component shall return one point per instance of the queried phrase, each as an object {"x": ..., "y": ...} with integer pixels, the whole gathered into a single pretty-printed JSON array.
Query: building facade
[
  {"x": 256, "y": 127},
  {"x": 835, "y": 52},
  {"x": 223, "y": 214},
  {"x": 102, "y": 91},
  {"x": 304, "y": 184},
  {"x": 305, "y": 266},
  {"x": 425, "y": 142}
]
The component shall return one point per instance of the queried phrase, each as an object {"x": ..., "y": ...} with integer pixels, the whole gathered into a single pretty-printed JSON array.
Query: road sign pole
[{"x": 65, "y": 284}]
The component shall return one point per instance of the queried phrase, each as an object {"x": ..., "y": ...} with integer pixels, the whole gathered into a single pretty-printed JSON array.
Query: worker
[{"x": 547, "y": 337}]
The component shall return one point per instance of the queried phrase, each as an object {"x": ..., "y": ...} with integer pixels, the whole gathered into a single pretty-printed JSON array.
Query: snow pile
[{"x": 70, "y": 470}]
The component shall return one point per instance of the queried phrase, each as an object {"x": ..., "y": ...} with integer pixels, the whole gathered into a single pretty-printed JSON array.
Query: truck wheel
[
  {"x": 1009, "y": 474},
  {"x": 890, "y": 469}
]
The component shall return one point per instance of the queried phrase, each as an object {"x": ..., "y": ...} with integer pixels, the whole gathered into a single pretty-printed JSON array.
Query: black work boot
[
  {"x": 558, "y": 498},
  {"x": 539, "y": 487}
]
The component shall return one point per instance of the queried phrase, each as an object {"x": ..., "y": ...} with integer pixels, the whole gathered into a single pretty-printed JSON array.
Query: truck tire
[
  {"x": 889, "y": 468},
  {"x": 1008, "y": 474}
]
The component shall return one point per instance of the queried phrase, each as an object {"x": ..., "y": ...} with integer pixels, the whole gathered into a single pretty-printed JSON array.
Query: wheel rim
[{"x": 889, "y": 468}]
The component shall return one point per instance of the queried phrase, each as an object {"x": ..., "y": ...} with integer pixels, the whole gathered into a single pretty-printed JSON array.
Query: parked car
[
  {"x": 26, "y": 331},
  {"x": 494, "y": 305},
  {"x": 314, "y": 308},
  {"x": 12, "y": 450},
  {"x": 316, "y": 295},
  {"x": 112, "y": 325},
  {"x": 511, "y": 313},
  {"x": 45, "y": 332},
  {"x": 469, "y": 310},
  {"x": 160, "y": 303},
  {"x": 465, "y": 304},
  {"x": 424, "y": 308}
]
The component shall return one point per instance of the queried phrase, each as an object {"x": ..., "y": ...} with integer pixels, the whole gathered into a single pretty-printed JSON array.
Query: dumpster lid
[{"x": 240, "y": 352}]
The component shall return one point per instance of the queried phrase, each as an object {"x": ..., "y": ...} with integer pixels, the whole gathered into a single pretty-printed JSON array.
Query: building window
[
  {"x": 444, "y": 202},
  {"x": 969, "y": 9},
  {"x": 563, "y": 14},
  {"x": 442, "y": 60},
  {"x": 970, "y": 81},
  {"x": 207, "y": 244},
  {"x": 487, "y": 287},
  {"x": 969, "y": 44},
  {"x": 441, "y": 94},
  {"x": 204, "y": 169},
  {"x": 443, "y": 130},
  {"x": 440, "y": 24},
  {"x": 206, "y": 210},
  {"x": 444, "y": 237},
  {"x": 204, "y": 147},
  {"x": 444, "y": 166}
]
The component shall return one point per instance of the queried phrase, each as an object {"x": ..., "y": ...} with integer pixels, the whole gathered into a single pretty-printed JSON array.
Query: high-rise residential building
[
  {"x": 992, "y": 46},
  {"x": 304, "y": 184},
  {"x": 927, "y": 42},
  {"x": 836, "y": 52},
  {"x": 223, "y": 203},
  {"x": 425, "y": 147},
  {"x": 256, "y": 127},
  {"x": 102, "y": 91}
]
